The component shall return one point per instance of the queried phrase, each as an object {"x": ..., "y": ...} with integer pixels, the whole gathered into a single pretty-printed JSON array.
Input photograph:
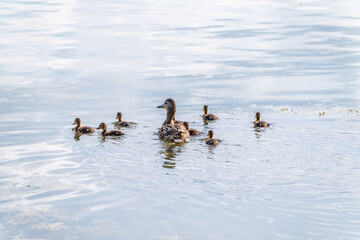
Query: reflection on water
[
  {"x": 169, "y": 151},
  {"x": 77, "y": 135},
  {"x": 259, "y": 132},
  {"x": 289, "y": 60}
]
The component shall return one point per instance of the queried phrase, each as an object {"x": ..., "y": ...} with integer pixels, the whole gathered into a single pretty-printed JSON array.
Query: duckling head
[
  {"x": 169, "y": 104},
  {"x": 102, "y": 126},
  {"x": 77, "y": 122},
  {"x": 187, "y": 126},
  {"x": 119, "y": 116},
  {"x": 206, "y": 109},
  {"x": 258, "y": 116},
  {"x": 211, "y": 134}
]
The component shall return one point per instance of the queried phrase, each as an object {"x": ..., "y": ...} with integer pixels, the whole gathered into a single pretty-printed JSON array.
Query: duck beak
[
  {"x": 161, "y": 106},
  {"x": 98, "y": 128},
  {"x": 74, "y": 123}
]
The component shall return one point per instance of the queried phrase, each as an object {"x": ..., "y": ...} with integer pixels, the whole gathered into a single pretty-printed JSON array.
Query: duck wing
[
  {"x": 261, "y": 124},
  {"x": 210, "y": 117},
  {"x": 176, "y": 132},
  {"x": 115, "y": 133},
  {"x": 86, "y": 130}
]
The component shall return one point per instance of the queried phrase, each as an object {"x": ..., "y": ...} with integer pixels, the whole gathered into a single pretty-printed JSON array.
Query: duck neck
[
  {"x": 77, "y": 126},
  {"x": 104, "y": 128},
  {"x": 206, "y": 111},
  {"x": 170, "y": 116}
]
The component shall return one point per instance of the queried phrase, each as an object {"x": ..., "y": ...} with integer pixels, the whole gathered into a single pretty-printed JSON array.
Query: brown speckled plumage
[
  {"x": 211, "y": 140},
  {"x": 208, "y": 116},
  {"x": 172, "y": 130},
  {"x": 121, "y": 123},
  {"x": 81, "y": 129},
  {"x": 192, "y": 131},
  {"x": 258, "y": 122},
  {"x": 103, "y": 126}
]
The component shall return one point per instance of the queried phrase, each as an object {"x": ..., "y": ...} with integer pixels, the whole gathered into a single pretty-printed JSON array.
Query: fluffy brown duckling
[
  {"x": 211, "y": 140},
  {"x": 258, "y": 122},
  {"x": 81, "y": 129},
  {"x": 172, "y": 130},
  {"x": 103, "y": 126},
  {"x": 121, "y": 123},
  {"x": 208, "y": 116},
  {"x": 193, "y": 132}
]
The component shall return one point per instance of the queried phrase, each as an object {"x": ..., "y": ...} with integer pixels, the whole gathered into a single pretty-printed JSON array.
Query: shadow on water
[{"x": 169, "y": 151}]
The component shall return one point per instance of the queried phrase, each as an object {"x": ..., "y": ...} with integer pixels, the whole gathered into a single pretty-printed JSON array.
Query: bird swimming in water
[
  {"x": 208, "y": 116},
  {"x": 103, "y": 126},
  {"x": 211, "y": 140},
  {"x": 81, "y": 129},
  {"x": 121, "y": 123},
  {"x": 258, "y": 122},
  {"x": 172, "y": 130},
  {"x": 193, "y": 132}
]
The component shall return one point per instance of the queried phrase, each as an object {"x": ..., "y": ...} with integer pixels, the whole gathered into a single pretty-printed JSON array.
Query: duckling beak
[{"x": 161, "y": 106}]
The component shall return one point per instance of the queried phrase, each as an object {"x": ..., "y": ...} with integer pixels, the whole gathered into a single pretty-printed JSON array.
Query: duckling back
[
  {"x": 85, "y": 129},
  {"x": 212, "y": 142}
]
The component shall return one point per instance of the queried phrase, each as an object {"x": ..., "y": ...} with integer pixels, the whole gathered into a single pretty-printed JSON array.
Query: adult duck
[
  {"x": 172, "y": 130},
  {"x": 258, "y": 122},
  {"x": 121, "y": 123},
  {"x": 103, "y": 126},
  {"x": 208, "y": 116},
  {"x": 81, "y": 129}
]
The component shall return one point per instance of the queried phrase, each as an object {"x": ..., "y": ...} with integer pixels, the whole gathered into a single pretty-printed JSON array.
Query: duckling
[
  {"x": 121, "y": 123},
  {"x": 258, "y": 122},
  {"x": 81, "y": 129},
  {"x": 172, "y": 130},
  {"x": 103, "y": 126},
  {"x": 193, "y": 132},
  {"x": 208, "y": 116},
  {"x": 211, "y": 140}
]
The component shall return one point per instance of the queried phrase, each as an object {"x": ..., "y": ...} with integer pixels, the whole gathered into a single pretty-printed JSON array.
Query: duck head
[
  {"x": 77, "y": 122},
  {"x": 168, "y": 104},
  {"x": 102, "y": 126},
  {"x": 258, "y": 116},
  {"x": 206, "y": 109},
  {"x": 170, "y": 107},
  {"x": 210, "y": 134},
  {"x": 119, "y": 116}
]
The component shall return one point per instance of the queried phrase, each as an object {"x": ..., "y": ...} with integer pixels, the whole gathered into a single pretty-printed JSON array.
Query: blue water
[{"x": 296, "y": 62}]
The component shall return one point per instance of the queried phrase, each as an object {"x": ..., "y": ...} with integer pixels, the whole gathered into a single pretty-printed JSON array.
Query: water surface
[{"x": 291, "y": 61}]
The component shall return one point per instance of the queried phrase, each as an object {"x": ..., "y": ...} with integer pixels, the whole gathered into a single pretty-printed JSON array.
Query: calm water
[{"x": 62, "y": 59}]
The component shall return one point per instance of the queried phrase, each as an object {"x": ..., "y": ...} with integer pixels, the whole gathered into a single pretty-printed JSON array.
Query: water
[{"x": 62, "y": 59}]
